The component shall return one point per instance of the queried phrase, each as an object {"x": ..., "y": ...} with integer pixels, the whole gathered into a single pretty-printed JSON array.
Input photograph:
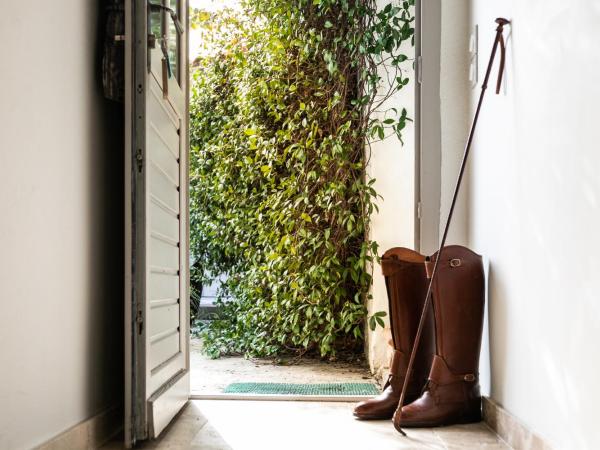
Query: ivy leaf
[{"x": 372, "y": 323}]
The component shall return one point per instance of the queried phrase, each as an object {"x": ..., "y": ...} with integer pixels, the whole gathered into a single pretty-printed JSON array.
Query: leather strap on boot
[
  {"x": 457, "y": 391},
  {"x": 442, "y": 375},
  {"x": 449, "y": 398},
  {"x": 399, "y": 364},
  {"x": 429, "y": 267}
]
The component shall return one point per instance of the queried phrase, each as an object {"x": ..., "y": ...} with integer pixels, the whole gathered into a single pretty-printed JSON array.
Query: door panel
[
  {"x": 163, "y": 287},
  {"x": 163, "y": 347},
  {"x": 157, "y": 279},
  {"x": 163, "y": 374},
  {"x": 163, "y": 187},
  {"x": 162, "y": 156},
  {"x": 165, "y": 405},
  {"x": 163, "y": 254},
  {"x": 176, "y": 97},
  {"x": 164, "y": 219},
  {"x": 165, "y": 317}
]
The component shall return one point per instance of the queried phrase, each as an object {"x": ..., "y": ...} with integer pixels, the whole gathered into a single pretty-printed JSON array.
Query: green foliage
[
  {"x": 377, "y": 319},
  {"x": 286, "y": 97}
]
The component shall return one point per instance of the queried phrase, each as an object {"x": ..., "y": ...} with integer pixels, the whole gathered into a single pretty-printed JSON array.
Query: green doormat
[{"x": 302, "y": 389}]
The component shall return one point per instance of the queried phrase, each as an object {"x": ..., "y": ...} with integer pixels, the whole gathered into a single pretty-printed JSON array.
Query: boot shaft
[
  {"x": 406, "y": 284},
  {"x": 458, "y": 306},
  {"x": 452, "y": 392}
]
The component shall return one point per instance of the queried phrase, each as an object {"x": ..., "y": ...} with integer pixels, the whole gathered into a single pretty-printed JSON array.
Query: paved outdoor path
[{"x": 210, "y": 376}]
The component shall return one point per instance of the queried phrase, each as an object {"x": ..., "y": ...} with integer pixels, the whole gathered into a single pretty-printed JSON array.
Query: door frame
[{"x": 428, "y": 133}]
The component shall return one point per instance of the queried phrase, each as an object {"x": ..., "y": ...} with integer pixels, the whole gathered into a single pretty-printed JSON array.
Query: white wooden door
[{"x": 157, "y": 280}]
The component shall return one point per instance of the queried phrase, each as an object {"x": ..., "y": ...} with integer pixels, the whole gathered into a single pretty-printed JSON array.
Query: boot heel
[{"x": 472, "y": 416}]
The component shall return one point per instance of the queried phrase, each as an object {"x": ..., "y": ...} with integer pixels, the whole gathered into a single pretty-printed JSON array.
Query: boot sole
[{"x": 368, "y": 417}]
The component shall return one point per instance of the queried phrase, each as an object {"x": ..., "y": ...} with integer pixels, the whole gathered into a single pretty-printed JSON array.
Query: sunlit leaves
[{"x": 285, "y": 95}]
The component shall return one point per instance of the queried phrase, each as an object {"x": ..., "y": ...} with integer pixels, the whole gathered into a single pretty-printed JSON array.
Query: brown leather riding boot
[
  {"x": 452, "y": 392},
  {"x": 406, "y": 284}
]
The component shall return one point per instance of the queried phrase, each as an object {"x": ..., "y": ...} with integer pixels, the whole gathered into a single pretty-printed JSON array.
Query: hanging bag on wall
[{"x": 113, "y": 57}]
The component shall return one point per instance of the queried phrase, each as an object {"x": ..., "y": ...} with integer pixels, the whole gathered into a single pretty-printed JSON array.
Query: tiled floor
[{"x": 256, "y": 425}]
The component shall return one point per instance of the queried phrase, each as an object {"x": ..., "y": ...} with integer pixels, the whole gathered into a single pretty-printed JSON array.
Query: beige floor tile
[
  {"x": 476, "y": 435},
  {"x": 261, "y": 425}
]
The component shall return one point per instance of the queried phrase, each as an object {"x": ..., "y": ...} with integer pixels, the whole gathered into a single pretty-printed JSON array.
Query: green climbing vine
[{"x": 287, "y": 96}]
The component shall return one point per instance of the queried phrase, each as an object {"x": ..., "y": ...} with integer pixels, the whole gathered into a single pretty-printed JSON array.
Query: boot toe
[
  {"x": 374, "y": 409},
  {"x": 420, "y": 413},
  {"x": 362, "y": 409},
  {"x": 408, "y": 417}
]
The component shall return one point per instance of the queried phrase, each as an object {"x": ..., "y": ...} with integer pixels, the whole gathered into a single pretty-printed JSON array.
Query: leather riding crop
[{"x": 499, "y": 41}]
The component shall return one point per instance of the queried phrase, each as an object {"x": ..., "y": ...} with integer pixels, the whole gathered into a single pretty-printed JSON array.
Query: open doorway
[
  {"x": 280, "y": 197},
  {"x": 281, "y": 116}
]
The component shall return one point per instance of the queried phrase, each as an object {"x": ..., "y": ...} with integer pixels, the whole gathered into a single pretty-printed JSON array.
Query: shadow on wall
[{"x": 105, "y": 346}]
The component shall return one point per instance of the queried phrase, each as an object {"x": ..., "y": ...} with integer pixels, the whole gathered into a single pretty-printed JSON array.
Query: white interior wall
[
  {"x": 534, "y": 209},
  {"x": 393, "y": 166},
  {"x": 60, "y": 224}
]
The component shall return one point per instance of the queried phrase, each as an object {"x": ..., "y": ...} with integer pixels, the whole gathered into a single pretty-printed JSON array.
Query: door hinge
[
  {"x": 151, "y": 41},
  {"x": 419, "y": 210},
  {"x": 139, "y": 157},
  {"x": 419, "y": 69},
  {"x": 139, "y": 319}
]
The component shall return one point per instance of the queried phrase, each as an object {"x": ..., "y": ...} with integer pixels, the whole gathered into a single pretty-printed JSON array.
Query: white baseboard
[
  {"x": 510, "y": 429},
  {"x": 89, "y": 434}
]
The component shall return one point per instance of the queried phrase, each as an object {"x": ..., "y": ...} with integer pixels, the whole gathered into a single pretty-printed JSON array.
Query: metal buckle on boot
[
  {"x": 456, "y": 262},
  {"x": 469, "y": 377}
]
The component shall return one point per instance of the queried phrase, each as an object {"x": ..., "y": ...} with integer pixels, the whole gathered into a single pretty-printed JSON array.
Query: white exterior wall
[
  {"x": 534, "y": 208},
  {"x": 393, "y": 166},
  {"x": 61, "y": 341}
]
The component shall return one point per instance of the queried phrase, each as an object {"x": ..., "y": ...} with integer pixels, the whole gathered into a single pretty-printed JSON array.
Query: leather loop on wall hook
[{"x": 500, "y": 37}]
